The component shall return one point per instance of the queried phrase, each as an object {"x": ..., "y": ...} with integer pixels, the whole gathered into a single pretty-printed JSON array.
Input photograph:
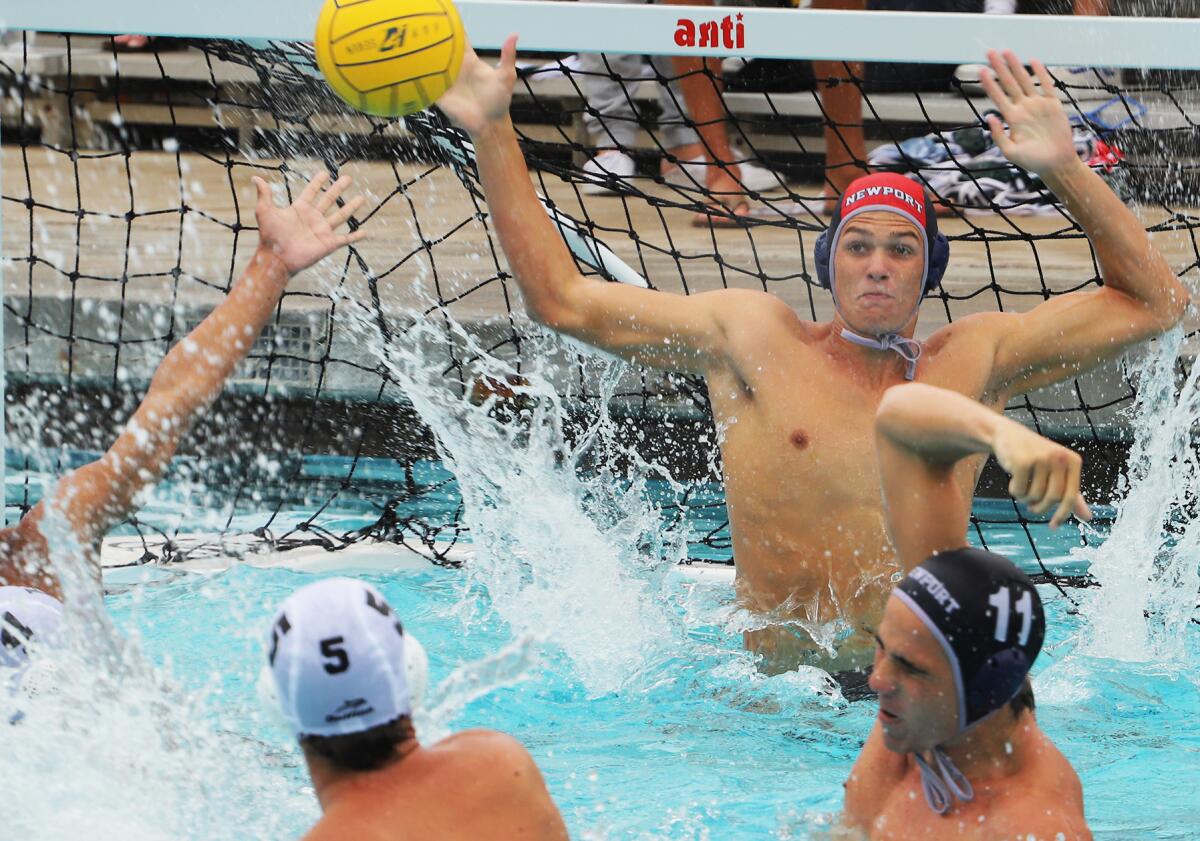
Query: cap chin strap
[
  {"x": 909, "y": 349},
  {"x": 942, "y": 782}
]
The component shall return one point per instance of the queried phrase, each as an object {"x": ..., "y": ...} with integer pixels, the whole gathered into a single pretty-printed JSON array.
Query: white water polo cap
[
  {"x": 341, "y": 661},
  {"x": 29, "y": 619}
]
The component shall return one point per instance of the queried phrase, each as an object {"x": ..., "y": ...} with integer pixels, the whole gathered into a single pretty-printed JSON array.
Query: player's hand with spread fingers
[
  {"x": 481, "y": 94},
  {"x": 307, "y": 230},
  {"x": 1039, "y": 135},
  {"x": 1044, "y": 474}
]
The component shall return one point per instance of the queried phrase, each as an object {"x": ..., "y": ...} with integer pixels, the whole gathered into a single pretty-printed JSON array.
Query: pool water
[
  {"x": 693, "y": 743},
  {"x": 623, "y": 676}
]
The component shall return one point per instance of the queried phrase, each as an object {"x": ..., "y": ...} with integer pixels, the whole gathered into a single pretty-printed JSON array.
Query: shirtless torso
[
  {"x": 1023, "y": 786},
  {"x": 474, "y": 784},
  {"x": 794, "y": 401},
  {"x": 796, "y": 410},
  {"x": 1034, "y": 785}
]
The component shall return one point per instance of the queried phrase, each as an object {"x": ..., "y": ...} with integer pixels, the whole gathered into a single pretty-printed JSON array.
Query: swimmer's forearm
[
  {"x": 536, "y": 253},
  {"x": 940, "y": 426},
  {"x": 644, "y": 326},
  {"x": 1129, "y": 262},
  {"x": 193, "y": 373},
  {"x": 101, "y": 494}
]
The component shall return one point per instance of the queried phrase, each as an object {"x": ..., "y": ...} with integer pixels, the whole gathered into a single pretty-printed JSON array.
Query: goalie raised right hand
[{"x": 481, "y": 95}]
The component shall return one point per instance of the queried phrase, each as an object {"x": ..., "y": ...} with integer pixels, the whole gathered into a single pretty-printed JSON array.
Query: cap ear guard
[
  {"x": 40, "y": 678},
  {"x": 268, "y": 697},
  {"x": 416, "y": 669},
  {"x": 939, "y": 259},
  {"x": 821, "y": 258},
  {"x": 996, "y": 683}
]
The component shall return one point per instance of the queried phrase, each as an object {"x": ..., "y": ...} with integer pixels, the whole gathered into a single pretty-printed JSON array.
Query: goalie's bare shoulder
[
  {"x": 976, "y": 337},
  {"x": 736, "y": 309},
  {"x": 978, "y": 326}
]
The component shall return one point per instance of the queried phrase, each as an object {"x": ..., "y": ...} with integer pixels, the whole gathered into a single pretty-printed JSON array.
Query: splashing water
[
  {"x": 1147, "y": 567},
  {"x": 129, "y": 756},
  {"x": 574, "y": 560},
  {"x": 118, "y": 750},
  {"x": 470, "y": 681},
  {"x": 113, "y": 749}
]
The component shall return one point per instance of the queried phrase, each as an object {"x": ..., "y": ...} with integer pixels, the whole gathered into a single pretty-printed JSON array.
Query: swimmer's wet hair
[
  {"x": 1024, "y": 699},
  {"x": 365, "y": 751}
]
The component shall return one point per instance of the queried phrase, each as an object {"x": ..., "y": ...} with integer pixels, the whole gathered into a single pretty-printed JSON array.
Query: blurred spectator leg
[
  {"x": 701, "y": 85},
  {"x": 608, "y": 81},
  {"x": 841, "y": 100}
]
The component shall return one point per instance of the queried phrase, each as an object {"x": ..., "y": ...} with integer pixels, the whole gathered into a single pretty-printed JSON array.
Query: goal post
[{"x": 1167, "y": 43}]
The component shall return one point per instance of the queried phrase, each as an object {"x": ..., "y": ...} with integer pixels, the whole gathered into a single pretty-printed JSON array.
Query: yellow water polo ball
[{"x": 389, "y": 57}]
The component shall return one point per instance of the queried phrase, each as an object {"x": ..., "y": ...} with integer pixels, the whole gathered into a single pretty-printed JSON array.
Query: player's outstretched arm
[
  {"x": 669, "y": 331},
  {"x": 99, "y": 495},
  {"x": 1141, "y": 297},
  {"x": 922, "y": 432}
]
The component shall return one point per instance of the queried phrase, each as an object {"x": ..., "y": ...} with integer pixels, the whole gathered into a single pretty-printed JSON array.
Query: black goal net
[{"x": 128, "y": 212}]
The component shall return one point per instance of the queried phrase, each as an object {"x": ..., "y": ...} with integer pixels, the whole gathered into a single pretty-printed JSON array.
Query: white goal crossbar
[{"x": 675, "y": 30}]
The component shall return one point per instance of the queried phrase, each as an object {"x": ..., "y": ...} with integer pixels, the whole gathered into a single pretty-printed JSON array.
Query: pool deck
[
  {"x": 409, "y": 276},
  {"x": 106, "y": 277}
]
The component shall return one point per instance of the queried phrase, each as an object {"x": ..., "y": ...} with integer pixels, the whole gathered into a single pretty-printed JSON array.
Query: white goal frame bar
[{"x": 1170, "y": 43}]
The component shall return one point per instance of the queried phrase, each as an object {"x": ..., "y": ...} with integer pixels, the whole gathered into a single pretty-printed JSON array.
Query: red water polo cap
[
  {"x": 891, "y": 193},
  {"x": 885, "y": 191}
]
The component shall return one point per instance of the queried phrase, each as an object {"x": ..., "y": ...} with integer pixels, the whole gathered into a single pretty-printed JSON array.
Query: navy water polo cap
[
  {"x": 892, "y": 193},
  {"x": 988, "y": 618}
]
